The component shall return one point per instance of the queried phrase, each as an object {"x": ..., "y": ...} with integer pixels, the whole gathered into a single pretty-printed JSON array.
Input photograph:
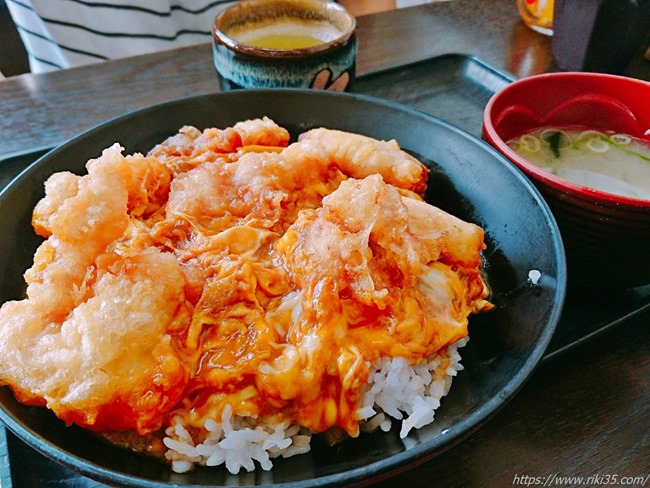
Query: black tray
[{"x": 455, "y": 88}]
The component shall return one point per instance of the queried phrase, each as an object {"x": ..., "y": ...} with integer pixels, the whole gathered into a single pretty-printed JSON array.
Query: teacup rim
[{"x": 222, "y": 38}]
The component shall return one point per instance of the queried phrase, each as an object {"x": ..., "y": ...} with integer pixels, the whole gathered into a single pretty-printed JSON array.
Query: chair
[{"x": 13, "y": 56}]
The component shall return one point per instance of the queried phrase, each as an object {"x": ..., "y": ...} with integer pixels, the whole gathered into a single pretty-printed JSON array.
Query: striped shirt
[{"x": 65, "y": 33}]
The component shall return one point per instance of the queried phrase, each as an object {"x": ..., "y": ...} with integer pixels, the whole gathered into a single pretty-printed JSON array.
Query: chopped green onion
[
  {"x": 515, "y": 145},
  {"x": 597, "y": 145},
  {"x": 622, "y": 139},
  {"x": 530, "y": 143},
  {"x": 590, "y": 133}
]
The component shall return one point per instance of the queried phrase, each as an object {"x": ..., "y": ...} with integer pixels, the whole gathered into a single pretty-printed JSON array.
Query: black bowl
[{"x": 468, "y": 178}]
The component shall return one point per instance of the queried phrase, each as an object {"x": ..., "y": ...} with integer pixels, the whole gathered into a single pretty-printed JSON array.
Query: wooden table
[{"x": 583, "y": 413}]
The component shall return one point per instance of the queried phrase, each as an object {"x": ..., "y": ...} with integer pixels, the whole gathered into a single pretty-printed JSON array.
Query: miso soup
[{"x": 602, "y": 160}]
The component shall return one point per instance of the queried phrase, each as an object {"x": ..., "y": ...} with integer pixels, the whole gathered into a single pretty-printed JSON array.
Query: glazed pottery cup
[{"x": 285, "y": 43}]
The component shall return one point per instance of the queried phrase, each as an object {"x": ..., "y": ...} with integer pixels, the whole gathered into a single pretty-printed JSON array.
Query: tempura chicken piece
[
  {"x": 93, "y": 340},
  {"x": 456, "y": 239},
  {"x": 332, "y": 244},
  {"x": 262, "y": 189},
  {"x": 359, "y": 156},
  {"x": 367, "y": 238},
  {"x": 372, "y": 284},
  {"x": 192, "y": 147},
  {"x": 216, "y": 196},
  {"x": 262, "y": 132},
  {"x": 141, "y": 183}
]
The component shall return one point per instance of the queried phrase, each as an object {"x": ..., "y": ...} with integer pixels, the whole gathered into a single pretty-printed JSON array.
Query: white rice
[
  {"x": 395, "y": 391},
  {"x": 236, "y": 442}
]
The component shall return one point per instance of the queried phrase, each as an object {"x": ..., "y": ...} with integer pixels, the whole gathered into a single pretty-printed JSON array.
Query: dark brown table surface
[{"x": 584, "y": 413}]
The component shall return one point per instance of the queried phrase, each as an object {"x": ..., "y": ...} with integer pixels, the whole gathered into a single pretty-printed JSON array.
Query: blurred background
[{"x": 13, "y": 56}]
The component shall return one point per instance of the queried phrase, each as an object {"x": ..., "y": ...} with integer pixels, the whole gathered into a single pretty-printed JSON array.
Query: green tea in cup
[
  {"x": 285, "y": 43},
  {"x": 289, "y": 33}
]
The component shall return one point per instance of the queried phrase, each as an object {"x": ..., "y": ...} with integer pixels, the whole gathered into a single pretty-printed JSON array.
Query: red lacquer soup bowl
[{"x": 606, "y": 236}]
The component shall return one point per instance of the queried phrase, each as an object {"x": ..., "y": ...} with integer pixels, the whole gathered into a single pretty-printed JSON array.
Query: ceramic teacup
[{"x": 285, "y": 43}]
